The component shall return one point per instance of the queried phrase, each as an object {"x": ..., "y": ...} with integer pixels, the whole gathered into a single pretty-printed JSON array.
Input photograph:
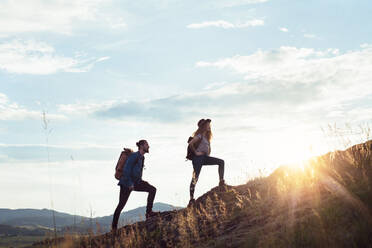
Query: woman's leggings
[{"x": 198, "y": 162}]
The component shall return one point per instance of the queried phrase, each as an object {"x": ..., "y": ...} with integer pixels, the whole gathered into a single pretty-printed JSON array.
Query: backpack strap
[
  {"x": 137, "y": 162},
  {"x": 197, "y": 143}
]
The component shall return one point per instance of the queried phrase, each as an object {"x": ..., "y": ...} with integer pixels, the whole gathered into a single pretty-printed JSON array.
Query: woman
[{"x": 200, "y": 144}]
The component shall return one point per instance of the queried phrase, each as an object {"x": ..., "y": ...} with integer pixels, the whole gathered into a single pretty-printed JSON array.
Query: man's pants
[{"x": 124, "y": 195}]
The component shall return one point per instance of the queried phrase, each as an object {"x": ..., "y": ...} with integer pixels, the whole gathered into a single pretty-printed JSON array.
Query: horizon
[
  {"x": 282, "y": 81},
  {"x": 144, "y": 206}
]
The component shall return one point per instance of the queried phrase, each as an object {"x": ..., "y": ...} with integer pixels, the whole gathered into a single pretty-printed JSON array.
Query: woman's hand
[{"x": 199, "y": 153}]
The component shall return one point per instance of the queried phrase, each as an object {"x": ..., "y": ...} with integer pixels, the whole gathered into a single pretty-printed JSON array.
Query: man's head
[{"x": 143, "y": 146}]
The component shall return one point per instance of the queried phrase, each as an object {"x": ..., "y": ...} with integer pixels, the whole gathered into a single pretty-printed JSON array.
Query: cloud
[
  {"x": 300, "y": 84},
  {"x": 283, "y": 29},
  {"x": 214, "y": 85},
  {"x": 154, "y": 110},
  {"x": 37, "y": 152},
  {"x": 32, "y": 57},
  {"x": 225, "y": 24},
  {"x": 56, "y": 16},
  {"x": 12, "y": 111},
  {"x": 335, "y": 77},
  {"x": 83, "y": 108},
  {"x": 221, "y": 100}
]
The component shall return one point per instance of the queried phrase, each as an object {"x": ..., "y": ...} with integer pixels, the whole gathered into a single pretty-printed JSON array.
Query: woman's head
[{"x": 204, "y": 127}]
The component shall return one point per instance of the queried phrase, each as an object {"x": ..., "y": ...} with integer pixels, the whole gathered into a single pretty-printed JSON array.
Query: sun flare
[{"x": 295, "y": 149}]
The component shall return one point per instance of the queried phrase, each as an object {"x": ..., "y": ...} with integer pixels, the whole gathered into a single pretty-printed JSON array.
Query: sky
[{"x": 81, "y": 79}]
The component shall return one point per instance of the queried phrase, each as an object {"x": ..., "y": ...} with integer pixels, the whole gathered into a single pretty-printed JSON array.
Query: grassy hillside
[{"x": 327, "y": 202}]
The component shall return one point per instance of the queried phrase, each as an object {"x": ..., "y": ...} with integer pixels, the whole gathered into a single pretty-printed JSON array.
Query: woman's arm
[{"x": 192, "y": 142}]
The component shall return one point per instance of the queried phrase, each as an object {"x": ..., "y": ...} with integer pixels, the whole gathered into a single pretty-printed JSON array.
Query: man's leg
[
  {"x": 216, "y": 161},
  {"x": 146, "y": 187},
  {"x": 197, "y": 164},
  {"x": 124, "y": 195}
]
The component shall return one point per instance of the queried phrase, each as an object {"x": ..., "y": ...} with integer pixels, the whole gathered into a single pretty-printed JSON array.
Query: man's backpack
[
  {"x": 190, "y": 152},
  {"x": 121, "y": 162}
]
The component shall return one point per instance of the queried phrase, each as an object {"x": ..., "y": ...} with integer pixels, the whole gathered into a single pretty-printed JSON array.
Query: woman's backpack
[
  {"x": 121, "y": 162},
  {"x": 190, "y": 152}
]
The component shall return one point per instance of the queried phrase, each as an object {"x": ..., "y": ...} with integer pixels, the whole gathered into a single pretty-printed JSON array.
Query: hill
[
  {"x": 327, "y": 202},
  {"x": 35, "y": 218},
  {"x": 6, "y": 230}
]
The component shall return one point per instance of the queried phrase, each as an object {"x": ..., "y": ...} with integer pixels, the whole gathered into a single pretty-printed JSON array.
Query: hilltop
[{"x": 327, "y": 202}]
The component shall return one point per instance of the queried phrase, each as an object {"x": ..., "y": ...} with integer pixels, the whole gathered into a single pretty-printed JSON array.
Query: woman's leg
[
  {"x": 216, "y": 161},
  {"x": 197, "y": 164},
  {"x": 124, "y": 195}
]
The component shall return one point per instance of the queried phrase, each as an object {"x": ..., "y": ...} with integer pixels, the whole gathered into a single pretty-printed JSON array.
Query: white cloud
[
  {"x": 103, "y": 59},
  {"x": 84, "y": 108},
  {"x": 333, "y": 76},
  {"x": 283, "y": 29},
  {"x": 214, "y": 85},
  {"x": 225, "y": 24},
  {"x": 55, "y": 15},
  {"x": 12, "y": 111},
  {"x": 31, "y": 57},
  {"x": 295, "y": 82}
]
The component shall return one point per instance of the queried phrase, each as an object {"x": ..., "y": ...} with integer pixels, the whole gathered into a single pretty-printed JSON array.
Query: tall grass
[{"x": 47, "y": 131}]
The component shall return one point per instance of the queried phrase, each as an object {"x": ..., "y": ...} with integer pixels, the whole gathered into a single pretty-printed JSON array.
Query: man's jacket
[{"x": 132, "y": 170}]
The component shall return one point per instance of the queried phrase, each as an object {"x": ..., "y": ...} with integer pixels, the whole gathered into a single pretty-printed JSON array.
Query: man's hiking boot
[
  {"x": 191, "y": 202},
  {"x": 114, "y": 231},
  {"x": 222, "y": 183},
  {"x": 151, "y": 214}
]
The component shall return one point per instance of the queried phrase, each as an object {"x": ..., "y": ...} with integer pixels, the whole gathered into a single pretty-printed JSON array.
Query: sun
[{"x": 297, "y": 148}]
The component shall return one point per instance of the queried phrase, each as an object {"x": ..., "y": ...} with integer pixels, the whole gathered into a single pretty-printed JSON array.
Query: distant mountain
[
  {"x": 6, "y": 230},
  {"x": 34, "y": 218}
]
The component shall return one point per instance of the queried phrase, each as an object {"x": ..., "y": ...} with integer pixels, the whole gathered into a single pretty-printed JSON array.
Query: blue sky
[{"x": 272, "y": 75}]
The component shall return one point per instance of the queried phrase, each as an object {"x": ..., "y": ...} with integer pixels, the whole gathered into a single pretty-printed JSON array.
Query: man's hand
[{"x": 131, "y": 188}]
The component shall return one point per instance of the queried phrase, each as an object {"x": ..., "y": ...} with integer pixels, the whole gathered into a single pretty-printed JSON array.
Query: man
[{"x": 132, "y": 180}]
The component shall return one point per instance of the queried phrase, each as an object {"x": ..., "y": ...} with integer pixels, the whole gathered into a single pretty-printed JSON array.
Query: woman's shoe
[
  {"x": 191, "y": 202},
  {"x": 222, "y": 183},
  {"x": 151, "y": 214}
]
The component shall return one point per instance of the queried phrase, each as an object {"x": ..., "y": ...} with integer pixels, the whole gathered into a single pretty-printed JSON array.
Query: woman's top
[{"x": 204, "y": 145}]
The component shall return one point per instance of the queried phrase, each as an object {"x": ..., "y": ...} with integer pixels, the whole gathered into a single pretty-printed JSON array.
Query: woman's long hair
[{"x": 201, "y": 130}]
